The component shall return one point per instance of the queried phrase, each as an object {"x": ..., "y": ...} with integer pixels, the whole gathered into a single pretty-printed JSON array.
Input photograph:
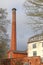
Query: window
[
  {"x": 42, "y": 44},
  {"x": 34, "y": 53},
  {"x": 42, "y": 52},
  {"x": 34, "y": 45},
  {"x": 42, "y": 59},
  {"x": 26, "y": 63},
  {"x": 10, "y": 56}
]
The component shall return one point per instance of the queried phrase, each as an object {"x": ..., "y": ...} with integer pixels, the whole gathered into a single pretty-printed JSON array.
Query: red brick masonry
[{"x": 13, "y": 53}]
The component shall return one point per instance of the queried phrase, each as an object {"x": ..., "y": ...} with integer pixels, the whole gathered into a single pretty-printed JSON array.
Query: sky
[{"x": 23, "y": 30}]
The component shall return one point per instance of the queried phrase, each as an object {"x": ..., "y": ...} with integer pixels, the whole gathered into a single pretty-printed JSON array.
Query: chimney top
[{"x": 14, "y": 9}]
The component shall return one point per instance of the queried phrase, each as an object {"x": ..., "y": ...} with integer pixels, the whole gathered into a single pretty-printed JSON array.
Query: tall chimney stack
[{"x": 13, "y": 35}]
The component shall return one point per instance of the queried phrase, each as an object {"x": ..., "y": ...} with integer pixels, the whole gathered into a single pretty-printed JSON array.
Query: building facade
[
  {"x": 35, "y": 46},
  {"x": 34, "y": 54}
]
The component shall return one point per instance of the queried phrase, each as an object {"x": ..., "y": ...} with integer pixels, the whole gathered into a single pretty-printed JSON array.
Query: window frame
[
  {"x": 34, "y": 53},
  {"x": 42, "y": 44},
  {"x": 34, "y": 45}
]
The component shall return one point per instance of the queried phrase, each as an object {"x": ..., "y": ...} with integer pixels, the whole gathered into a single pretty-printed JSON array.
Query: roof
[
  {"x": 23, "y": 52},
  {"x": 35, "y": 38}
]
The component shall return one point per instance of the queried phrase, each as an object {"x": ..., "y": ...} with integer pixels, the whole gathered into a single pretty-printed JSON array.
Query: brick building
[
  {"x": 13, "y": 53},
  {"x": 34, "y": 54}
]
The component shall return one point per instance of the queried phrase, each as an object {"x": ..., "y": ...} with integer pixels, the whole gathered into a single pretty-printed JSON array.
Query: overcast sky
[{"x": 23, "y": 30}]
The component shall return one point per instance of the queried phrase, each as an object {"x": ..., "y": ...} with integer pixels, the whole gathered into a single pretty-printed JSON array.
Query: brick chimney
[{"x": 13, "y": 34}]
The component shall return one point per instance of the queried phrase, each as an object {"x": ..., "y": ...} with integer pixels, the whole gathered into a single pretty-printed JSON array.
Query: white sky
[{"x": 23, "y": 31}]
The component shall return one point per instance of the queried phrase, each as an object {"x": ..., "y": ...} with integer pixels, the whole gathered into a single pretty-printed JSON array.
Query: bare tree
[
  {"x": 34, "y": 9},
  {"x": 3, "y": 32}
]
